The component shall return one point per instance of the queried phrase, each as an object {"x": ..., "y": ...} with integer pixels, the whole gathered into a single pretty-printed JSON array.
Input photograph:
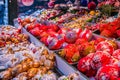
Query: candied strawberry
[
  {"x": 35, "y": 31},
  {"x": 55, "y": 44},
  {"x": 44, "y": 40},
  {"x": 43, "y": 27},
  {"x": 113, "y": 43},
  {"x": 43, "y": 34},
  {"x": 100, "y": 59},
  {"x": 37, "y": 25},
  {"x": 86, "y": 34},
  {"x": 70, "y": 50},
  {"x": 76, "y": 57},
  {"x": 71, "y": 37},
  {"x": 80, "y": 41},
  {"x": 118, "y": 33},
  {"x": 98, "y": 40},
  {"x": 54, "y": 27},
  {"x": 108, "y": 72},
  {"x": 85, "y": 67},
  {"x": 52, "y": 33},
  {"x": 116, "y": 54},
  {"x": 89, "y": 48},
  {"x": 106, "y": 33},
  {"x": 102, "y": 27},
  {"x": 78, "y": 31},
  {"x": 105, "y": 46}
]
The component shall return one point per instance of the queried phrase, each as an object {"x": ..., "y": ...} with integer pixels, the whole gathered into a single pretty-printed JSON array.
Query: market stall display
[
  {"x": 81, "y": 43},
  {"x": 21, "y": 59},
  {"x": 109, "y": 29}
]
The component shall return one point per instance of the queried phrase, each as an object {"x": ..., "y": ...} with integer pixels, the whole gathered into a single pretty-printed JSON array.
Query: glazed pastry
[
  {"x": 32, "y": 72},
  {"x": 6, "y": 75}
]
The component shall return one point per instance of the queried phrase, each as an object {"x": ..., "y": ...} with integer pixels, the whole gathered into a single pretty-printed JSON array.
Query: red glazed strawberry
[
  {"x": 63, "y": 31},
  {"x": 113, "y": 43},
  {"x": 106, "y": 33},
  {"x": 86, "y": 34},
  {"x": 71, "y": 37},
  {"x": 29, "y": 26},
  {"x": 35, "y": 31},
  {"x": 52, "y": 33},
  {"x": 43, "y": 27},
  {"x": 54, "y": 27},
  {"x": 85, "y": 67},
  {"x": 64, "y": 45},
  {"x": 80, "y": 41},
  {"x": 43, "y": 34},
  {"x": 89, "y": 48},
  {"x": 44, "y": 40},
  {"x": 70, "y": 50},
  {"x": 105, "y": 46},
  {"x": 116, "y": 54},
  {"x": 102, "y": 27},
  {"x": 100, "y": 59},
  {"x": 118, "y": 33},
  {"x": 108, "y": 72},
  {"x": 78, "y": 31},
  {"x": 98, "y": 40},
  {"x": 76, "y": 57},
  {"x": 55, "y": 44}
]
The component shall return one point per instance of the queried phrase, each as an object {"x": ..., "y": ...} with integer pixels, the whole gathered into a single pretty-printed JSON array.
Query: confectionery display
[{"x": 65, "y": 42}]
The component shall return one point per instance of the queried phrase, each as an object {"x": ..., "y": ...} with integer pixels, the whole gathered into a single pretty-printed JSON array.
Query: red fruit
[
  {"x": 113, "y": 44},
  {"x": 100, "y": 59},
  {"x": 54, "y": 27},
  {"x": 86, "y": 34},
  {"x": 102, "y": 27},
  {"x": 76, "y": 57},
  {"x": 98, "y": 40},
  {"x": 105, "y": 46},
  {"x": 91, "y": 5},
  {"x": 85, "y": 67},
  {"x": 35, "y": 31},
  {"x": 89, "y": 48},
  {"x": 78, "y": 31},
  {"x": 43, "y": 27},
  {"x": 64, "y": 45},
  {"x": 63, "y": 30},
  {"x": 108, "y": 72},
  {"x": 106, "y": 33},
  {"x": 80, "y": 41},
  {"x": 116, "y": 54},
  {"x": 29, "y": 26},
  {"x": 52, "y": 33},
  {"x": 44, "y": 40},
  {"x": 38, "y": 25},
  {"x": 71, "y": 37},
  {"x": 43, "y": 34},
  {"x": 70, "y": 50},
  {"x": 55, "y": 44},
  {"x": 118, "y": 33}
]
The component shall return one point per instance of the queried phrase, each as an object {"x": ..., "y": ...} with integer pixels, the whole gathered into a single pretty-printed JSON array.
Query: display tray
[{"x": 61, "y": 64}]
